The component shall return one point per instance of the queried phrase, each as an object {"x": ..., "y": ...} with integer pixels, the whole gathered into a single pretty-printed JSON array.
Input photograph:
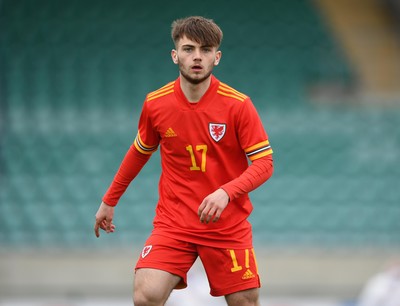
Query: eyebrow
[{"x": 193, "y": 46}]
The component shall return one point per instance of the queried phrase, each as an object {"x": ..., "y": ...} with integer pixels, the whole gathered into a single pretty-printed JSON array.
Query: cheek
[
  {"x": 181, "y": 60},
  {"x": 181, "y": 64}
]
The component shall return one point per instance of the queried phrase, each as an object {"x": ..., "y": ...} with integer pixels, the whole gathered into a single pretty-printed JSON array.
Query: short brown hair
[{"x": 199, "y": 29}]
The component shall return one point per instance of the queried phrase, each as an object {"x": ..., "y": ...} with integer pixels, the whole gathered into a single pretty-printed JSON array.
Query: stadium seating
[{"x": 76, "y": 73}]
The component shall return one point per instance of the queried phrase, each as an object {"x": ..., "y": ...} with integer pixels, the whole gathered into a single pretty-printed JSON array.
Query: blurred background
[{"x": 325, "y": 78}]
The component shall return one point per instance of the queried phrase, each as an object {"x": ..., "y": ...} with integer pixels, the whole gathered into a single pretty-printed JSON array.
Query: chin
[{"x": 197, "y": 79}]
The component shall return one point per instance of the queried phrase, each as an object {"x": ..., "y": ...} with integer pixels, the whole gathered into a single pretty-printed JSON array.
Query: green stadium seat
[{"x": 77, "y": 76}]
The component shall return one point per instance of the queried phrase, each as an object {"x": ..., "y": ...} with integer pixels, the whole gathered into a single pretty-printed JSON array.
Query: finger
[
  {"x": 96, "y": 229},
  {"x": 108, "y": 225},
  {"x": 203, "y": 215},
  {"x": 103, "y": 226},
  {"x": 201, "y": 208},
  {"x": 210, "y": 214},
  {"x": 112, "y": 228},
  {"x": 217, "y": 216}
]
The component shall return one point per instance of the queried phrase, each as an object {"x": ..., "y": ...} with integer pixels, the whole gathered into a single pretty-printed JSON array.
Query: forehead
[{"x": 186, "y": 41}]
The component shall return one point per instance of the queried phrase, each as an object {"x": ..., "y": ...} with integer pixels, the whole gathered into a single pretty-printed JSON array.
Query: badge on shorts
[
  {"x": 217, "y": 130},
  {"x": 146, "y": 250}
]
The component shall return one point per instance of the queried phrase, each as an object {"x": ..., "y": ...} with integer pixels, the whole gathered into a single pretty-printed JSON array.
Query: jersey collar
[{"x": 205, "y": 99}]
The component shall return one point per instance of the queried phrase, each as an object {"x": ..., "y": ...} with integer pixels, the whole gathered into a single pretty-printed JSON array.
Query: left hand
[
  {"x": 104, "y": 218},
  {"x": 212, "y": 206}
]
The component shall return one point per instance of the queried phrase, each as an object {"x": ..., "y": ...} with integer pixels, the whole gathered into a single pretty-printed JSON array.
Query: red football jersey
[{"x": 203, "y": 145}]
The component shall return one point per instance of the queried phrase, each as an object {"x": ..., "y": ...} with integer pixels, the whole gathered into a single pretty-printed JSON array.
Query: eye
[
  {"x": 207, "y": 49},
  {"x": 187, "y": 49}
]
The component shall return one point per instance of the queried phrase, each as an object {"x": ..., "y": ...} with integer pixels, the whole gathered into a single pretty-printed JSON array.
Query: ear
[
  {"x": 218, "y": 56},
  {"x": 174, "y": 56}
]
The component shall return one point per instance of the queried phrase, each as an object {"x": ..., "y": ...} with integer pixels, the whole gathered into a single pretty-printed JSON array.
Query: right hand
[
  {"x": 104, "y": 217},
  {"x": 213, "y": 205}
]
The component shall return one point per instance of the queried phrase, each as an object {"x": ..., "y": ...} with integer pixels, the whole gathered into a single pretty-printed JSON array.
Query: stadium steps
[{"x": 367, "y": 33}]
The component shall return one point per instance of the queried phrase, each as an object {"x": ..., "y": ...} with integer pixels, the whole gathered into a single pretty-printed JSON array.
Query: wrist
[
  {"x": 223, "y": 188},
  {"x": 107, "y": 204}
]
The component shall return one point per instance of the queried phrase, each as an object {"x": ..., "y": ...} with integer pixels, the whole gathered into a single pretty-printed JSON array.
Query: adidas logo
[
  {"x": 248, "y": 274},
  {"x": 170, "y": 133}
]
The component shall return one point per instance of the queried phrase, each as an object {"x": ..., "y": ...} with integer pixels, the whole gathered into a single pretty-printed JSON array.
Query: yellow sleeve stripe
[
  {"x": 259, "y": 155},
  {"x": 258, "y": 150},
  {"x": 142, "y": 143},
  {"x": 140, "y": 150},
  {"x": 160, "y": 92},
  {"x": 225, "y": 87},
  {"x": 142, "y": 147},
  {"x": 162, "y": 88},
  {"x": 160, "y": 95},
  {"x": 231, "y": 95},
  {"x": 257, "y": 146}
]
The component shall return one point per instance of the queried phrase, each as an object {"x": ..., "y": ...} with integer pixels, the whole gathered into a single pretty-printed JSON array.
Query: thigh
[
  {"x": 152, "y": 286},
  {"x": 169, "y": 255},
  {"x": 249, "y": 297},
  {"x": 229, "y": 271}
]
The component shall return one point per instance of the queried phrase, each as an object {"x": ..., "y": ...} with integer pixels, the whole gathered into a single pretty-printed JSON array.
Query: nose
[{"x": 197, "y": 55}]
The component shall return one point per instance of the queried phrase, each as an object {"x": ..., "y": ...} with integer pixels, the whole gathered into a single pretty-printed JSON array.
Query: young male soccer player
[{"x": 206, "y": 131}]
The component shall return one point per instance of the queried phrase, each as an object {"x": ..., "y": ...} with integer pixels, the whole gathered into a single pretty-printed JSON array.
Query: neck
[{"x": 194, "y": 92}]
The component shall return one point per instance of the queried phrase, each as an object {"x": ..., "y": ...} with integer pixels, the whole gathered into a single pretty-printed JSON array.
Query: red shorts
[{"x": 228, "y": 271}]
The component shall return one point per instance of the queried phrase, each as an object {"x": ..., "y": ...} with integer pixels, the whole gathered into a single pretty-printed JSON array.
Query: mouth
[{"x": 197, "y": 68}]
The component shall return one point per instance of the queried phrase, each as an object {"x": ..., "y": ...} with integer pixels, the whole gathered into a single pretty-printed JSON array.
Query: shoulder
[
  {"x": 231, "y": 93},
  {"x": 161, "y": 92}
]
